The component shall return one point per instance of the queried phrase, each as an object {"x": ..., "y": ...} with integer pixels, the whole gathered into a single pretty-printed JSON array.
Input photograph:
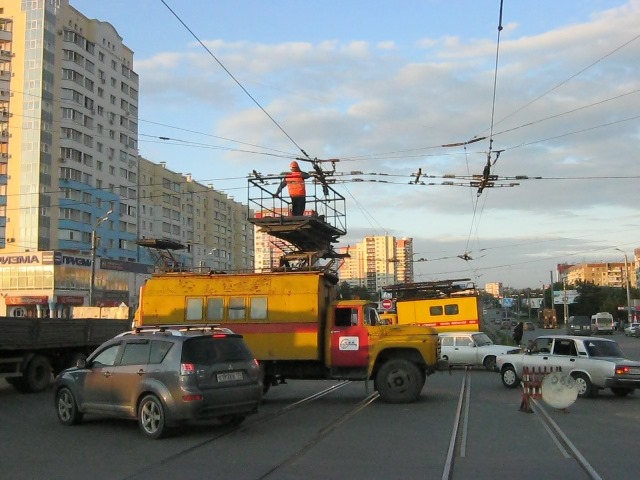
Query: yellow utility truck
[
  {"x": 297, "y": 327},
  {"x": 447, "y": 306}
]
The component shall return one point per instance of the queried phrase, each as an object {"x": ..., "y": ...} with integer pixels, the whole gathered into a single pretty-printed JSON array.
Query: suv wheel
[
  {"x": 67, "y": 407},
  {"x": 151, "y": 417}
]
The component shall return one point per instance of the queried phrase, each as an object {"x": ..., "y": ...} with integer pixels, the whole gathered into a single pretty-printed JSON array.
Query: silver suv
[{"x": 163, "y": 376}]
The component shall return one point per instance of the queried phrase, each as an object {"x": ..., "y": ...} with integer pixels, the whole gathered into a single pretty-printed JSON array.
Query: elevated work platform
[
  {"x": 162, "y": 252},
  {"x": 310, "y": 235}
]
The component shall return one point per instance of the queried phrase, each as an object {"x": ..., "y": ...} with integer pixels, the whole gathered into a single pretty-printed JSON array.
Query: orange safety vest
[{"x": 295, "y": 184}]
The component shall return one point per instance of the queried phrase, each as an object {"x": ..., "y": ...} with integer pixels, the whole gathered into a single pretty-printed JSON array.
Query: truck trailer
[
  {"x": 297, "y": 327},
  {"x": 34, "y": 349}
]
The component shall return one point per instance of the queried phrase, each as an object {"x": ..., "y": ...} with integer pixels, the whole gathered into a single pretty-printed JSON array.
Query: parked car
[
  {"x": 163, "y": 377},
  {"x": 595, "y": 363},
  {"x": 506, "y": 325},
  {"x": 632, "y": 329},
  {"x": 579, "y": 325},
  {"x": 472, "y": 349},
  {"x": 529, "y": 326}
]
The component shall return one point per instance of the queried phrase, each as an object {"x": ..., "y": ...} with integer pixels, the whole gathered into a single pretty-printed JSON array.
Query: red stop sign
[{"x": 387, "y": 304}]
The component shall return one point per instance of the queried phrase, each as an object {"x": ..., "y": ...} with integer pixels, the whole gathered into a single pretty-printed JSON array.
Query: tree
[
  {"x": 588, "y": 301},
  {"x": 347, "y": 292}
]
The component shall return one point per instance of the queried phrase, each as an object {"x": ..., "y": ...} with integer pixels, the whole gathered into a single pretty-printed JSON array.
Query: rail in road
[{"x": 465, "y": 425}]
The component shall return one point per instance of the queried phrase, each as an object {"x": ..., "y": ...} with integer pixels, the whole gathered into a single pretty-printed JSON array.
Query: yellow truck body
[
  {"x": 296, "y": 327},
  {"x": 277, "y": 314},
  {"x": 450, "y": 314}
]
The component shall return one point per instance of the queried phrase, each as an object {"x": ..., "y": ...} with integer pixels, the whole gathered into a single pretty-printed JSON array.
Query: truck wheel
[
  {"x": 399, "y": 381},
  {"x": 509, "y": 377},
  {"x": 67, "y": 407},
  {"x": 151, "y": 417},
  {"x": 37, "y": 375}
]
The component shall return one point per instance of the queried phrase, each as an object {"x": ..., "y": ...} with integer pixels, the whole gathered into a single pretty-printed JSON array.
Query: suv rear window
[
  {"x": 210, "y": 350},
  {"x": 580, "y": 320}
]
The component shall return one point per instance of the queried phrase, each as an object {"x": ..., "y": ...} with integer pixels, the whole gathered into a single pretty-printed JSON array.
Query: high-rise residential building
[
  {"x": 213, "y": 227},
  {"x": 68, "y": 154},
  {"x": 71, "y": 131},
  {"x": 404, "y": 260},
  {"x": 71, "y": 179},
  {"x": 378, "y": 261}
]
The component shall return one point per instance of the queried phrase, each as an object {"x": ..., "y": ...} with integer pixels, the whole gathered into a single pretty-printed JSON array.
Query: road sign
[{"x": 387, "y": 304}]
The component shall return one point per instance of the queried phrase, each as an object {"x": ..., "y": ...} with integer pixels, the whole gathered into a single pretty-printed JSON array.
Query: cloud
[{"x": 387, "y": 108}]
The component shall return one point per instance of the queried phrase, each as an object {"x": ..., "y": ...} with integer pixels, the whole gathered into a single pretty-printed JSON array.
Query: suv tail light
[{"x": 187, "y": 368}]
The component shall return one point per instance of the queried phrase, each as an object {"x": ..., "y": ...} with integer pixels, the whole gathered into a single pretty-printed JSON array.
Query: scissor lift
[{"x": 311, "y": 235}]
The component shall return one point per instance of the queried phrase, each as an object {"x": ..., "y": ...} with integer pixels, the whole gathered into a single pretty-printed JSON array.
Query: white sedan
[
  {"x": 472, "y": 349},
  {"x": 595, "y": 363},
  {"x": 632, "y": 329}
]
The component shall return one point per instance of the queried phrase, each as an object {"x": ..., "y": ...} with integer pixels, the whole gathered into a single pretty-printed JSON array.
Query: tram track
[
  {"x": 562, "y": 441},
  {"x": 457, "y": 447},
  {"x": 322, "y": 432}
]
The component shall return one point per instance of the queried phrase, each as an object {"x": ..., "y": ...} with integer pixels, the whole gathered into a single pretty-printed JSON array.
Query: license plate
[
  {"x": 229, "y": 377},
  {"x": 634, "y": 371}
]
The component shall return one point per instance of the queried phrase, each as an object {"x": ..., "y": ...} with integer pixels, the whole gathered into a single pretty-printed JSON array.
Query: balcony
[
  {"x": 5, "y": 35},
  {"x": 6, "y": 55}
]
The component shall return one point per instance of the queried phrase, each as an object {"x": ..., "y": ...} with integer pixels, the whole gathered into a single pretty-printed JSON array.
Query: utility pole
[
  {"x": 626, "y": 276},
  {"x": 553, "y": 305},
  {"x": 94, "y": 245}
]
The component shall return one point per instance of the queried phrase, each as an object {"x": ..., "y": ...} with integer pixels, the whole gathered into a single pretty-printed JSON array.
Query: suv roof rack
[{"x": 177, "y": 329}]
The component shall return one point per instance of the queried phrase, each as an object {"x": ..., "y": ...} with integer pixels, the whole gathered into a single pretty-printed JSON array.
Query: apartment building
[
  {"x": 378, "y": 261},
  {"x": 604, "y": 274},
  {"x": 70, "y": 175},
  {"x": 213, "y": 227}
]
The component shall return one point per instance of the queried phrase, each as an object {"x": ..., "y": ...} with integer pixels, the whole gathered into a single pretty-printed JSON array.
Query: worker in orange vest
[{"x": 295, "y": 184}]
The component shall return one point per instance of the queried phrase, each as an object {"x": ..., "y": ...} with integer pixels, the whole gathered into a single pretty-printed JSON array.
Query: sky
[{"x": 382, "y": 86}]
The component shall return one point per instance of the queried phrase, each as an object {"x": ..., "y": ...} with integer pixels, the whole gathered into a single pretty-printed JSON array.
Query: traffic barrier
[{"x": 532, "y": 378}]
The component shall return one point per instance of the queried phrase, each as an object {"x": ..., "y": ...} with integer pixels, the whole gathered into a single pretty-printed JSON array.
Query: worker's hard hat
[{"x": 294, "y": 165}]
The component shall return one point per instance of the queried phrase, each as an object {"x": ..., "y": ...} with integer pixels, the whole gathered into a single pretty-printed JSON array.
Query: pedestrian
[
  {"x": 295, "y": 185},
  {"x": 517, "y": 333}
]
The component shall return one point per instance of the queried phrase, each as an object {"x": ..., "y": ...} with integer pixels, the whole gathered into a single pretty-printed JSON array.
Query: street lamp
[
  {"x": 94, "y": 242},
  {"x": 626, "y": 273}
]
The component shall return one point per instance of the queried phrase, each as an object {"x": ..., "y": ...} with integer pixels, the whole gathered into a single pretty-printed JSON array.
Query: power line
[{"x": 234, "y": 78}]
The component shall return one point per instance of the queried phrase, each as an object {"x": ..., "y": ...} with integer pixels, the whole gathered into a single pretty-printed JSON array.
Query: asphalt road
[{"x": 335, "y": 436}]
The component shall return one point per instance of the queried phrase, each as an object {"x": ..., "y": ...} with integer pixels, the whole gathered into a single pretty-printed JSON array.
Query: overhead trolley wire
[{"x": 234, "y": 79}]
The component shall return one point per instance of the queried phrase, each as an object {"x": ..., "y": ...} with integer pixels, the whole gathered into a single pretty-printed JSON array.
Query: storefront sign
[
  {"x": 70, "y": 300},
  {"x": 122, "y": 266},
  {"x": 60, "y": 259},
  {"x": 21, "y": 258},
  {"x": 23, "y": 300}
]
